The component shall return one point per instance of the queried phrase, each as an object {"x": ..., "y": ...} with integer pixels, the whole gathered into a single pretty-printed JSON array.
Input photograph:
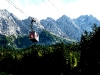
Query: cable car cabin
[{"x": 33, "y": 36}]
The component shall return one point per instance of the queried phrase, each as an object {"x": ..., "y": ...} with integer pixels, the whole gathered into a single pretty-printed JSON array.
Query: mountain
[
  {"x": 37, "y": 26},
  {"x": 10, "y": 24},
  {"x": 67, "y": 25},
  {"x": 15, "y": 31},
  {"x": 51, "y": 25},
  {"x": 51, "y": 31},
  {"x": 63, "y": 27},
  {"x": 85, "y": 22}
]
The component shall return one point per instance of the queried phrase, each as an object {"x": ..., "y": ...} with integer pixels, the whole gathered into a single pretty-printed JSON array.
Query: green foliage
[
  {"x": 4, "y": 73},
  {"x": 58, "y": 59},
  {"x": 22, "y": 41},
  {"x": 3, "y": 40},
  {"x": 52, "y": 58},
  {"x": 46, "y": 37}
]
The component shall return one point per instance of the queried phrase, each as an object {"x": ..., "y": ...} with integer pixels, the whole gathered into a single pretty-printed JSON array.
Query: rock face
[
  {"x": 7, "y": 24},
  {"x": 64, "y": 27},
  {"x": 85, "y": 22},
  {"x": 70, "y": 28},
  {"x": 11, "y": 25}
]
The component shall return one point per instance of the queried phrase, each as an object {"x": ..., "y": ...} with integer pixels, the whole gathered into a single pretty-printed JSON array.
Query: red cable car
[{"x": 33, "y": 36}]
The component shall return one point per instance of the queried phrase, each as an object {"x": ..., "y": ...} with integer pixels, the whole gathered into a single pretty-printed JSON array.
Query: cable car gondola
[{"x": 33, "y": 36}]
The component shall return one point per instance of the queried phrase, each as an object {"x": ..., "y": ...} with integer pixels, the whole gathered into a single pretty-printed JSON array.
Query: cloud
[
  {"x": 83, "y": 7},
  {"x": 42, "y": 9}
]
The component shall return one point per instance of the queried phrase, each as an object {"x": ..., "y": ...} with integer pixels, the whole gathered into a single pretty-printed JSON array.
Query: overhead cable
[
  {"x": 54, "y": 6},
  {"x": 9, "y": 1}
]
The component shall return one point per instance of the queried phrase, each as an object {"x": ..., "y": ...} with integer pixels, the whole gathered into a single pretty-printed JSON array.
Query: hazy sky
[{"x": 41, "y": 9}]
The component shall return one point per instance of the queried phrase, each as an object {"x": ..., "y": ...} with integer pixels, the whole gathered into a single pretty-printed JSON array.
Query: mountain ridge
[{"x": 64, "y": 27}]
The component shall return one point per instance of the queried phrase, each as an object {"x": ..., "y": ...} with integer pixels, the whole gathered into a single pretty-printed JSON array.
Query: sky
[{"x": 41, "y": 9}]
